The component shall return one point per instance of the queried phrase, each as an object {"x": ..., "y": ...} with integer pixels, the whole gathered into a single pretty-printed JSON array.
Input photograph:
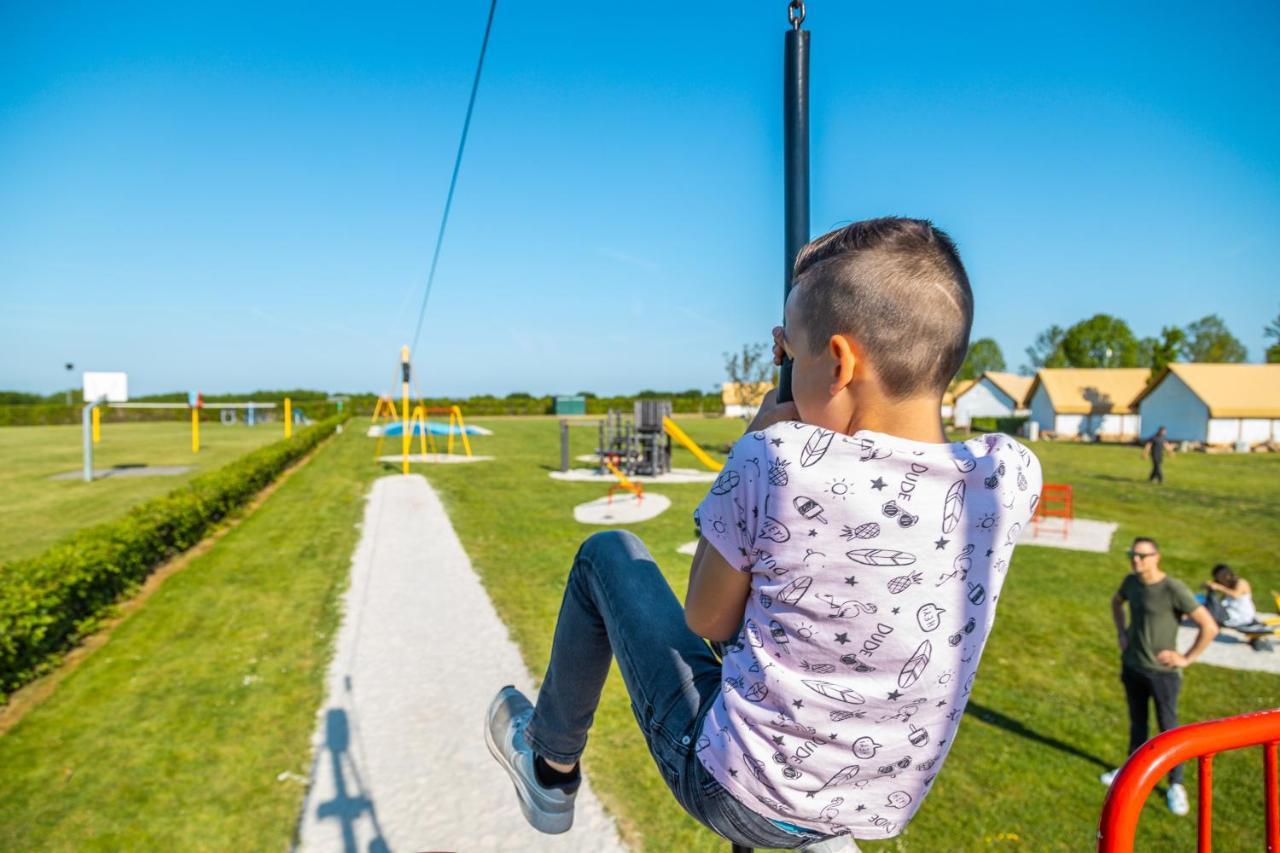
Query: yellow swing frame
[{"x": 385, "y": 409}]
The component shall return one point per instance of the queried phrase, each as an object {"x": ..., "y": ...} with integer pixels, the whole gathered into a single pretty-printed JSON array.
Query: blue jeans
[{"x": 618, "y": 604}]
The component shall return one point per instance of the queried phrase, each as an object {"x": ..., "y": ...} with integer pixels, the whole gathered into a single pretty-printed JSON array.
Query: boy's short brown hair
[{"x": 896, "y": 286}]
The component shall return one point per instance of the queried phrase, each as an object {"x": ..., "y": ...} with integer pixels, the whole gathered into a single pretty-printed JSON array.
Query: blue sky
[{"x": 236, "y": 197}]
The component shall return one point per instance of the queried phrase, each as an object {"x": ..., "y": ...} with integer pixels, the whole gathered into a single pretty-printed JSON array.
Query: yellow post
[
  {"x": 420, "y": 423},
  {"x": 404, "y": 416},
  {"x": 97, "y": 425},
  {"x": 195, "y": 430},
  {"x": 288, "y": 417},
  {"x": 462, "y": 429}
]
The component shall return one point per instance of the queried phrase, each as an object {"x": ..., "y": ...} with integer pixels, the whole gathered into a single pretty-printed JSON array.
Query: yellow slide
[{"x": 680, "y": 436}]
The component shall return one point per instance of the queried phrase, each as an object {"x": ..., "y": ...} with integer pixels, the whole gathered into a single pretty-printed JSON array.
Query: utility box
[{"x": 571, "y": 405}]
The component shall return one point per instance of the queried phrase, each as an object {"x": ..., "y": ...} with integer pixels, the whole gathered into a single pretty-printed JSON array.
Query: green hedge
[
  {"x": 1008, "y": 426},
  {"x": 47, "y": 603}
]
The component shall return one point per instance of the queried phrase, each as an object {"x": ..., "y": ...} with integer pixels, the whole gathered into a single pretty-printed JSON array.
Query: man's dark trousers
[
  {"x": 1156, "y": 473},
  {"x": 1142, "y": 686}
]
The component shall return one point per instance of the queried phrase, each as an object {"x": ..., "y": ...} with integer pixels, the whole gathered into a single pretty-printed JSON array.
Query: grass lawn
[
  {"x": 35, "y": 511},
  {"x": 172, "y": 736},
  {"x": 1048, "y": 713},
  {"x": 163, "y": 739}
]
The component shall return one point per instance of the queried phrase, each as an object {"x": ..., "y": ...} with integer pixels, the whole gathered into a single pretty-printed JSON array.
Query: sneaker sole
[{"x": 539, "y": 820}]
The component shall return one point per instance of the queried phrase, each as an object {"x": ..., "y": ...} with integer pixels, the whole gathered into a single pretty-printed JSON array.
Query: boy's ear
[{"x": 846, "y": 359}]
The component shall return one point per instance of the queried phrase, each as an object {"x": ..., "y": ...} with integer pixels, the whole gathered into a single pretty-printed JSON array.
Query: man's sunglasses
[{"x": 1142, "y": 554}]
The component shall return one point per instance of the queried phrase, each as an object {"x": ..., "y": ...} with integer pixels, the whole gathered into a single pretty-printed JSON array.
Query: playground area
[
  {"x": 266, "y": 602},
  {"x": 254, "y": 641}
]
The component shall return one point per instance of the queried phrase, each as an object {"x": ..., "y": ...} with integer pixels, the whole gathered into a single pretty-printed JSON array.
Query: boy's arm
[{"x": 717, "y": 595}]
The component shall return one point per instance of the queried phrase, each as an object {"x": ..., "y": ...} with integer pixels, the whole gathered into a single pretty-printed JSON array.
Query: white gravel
[{"x": 400, "y": 761}]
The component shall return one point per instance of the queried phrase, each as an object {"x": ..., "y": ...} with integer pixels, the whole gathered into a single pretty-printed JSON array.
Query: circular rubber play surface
[
  {"x": 675, "y": 475},
  {"x": 436, "y": 458},
  {"x": 624, "y": 509}
]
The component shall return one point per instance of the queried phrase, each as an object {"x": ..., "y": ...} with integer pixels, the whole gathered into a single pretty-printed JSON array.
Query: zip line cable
[{"x": 453, "y": 182}]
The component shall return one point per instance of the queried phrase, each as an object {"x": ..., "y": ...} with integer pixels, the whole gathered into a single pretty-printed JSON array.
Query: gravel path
[{"x": 400, "y": 762}]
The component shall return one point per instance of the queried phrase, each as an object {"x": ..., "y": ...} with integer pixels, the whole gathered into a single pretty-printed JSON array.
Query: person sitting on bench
[
  {"x": 1229, "y": 598},
  {"x": 1230, "y": 602}
]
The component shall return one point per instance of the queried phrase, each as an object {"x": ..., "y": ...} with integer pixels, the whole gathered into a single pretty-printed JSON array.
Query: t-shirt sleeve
[
  {"x": 1182, "y": 598},
  {"x": 729, "y": 516},
  {"x": 1031, "y": 471}
]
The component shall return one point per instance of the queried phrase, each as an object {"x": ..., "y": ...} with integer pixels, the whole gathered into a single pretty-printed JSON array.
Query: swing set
[{"x": 415, "y": 420}]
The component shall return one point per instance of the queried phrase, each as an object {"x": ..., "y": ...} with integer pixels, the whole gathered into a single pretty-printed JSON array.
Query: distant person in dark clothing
[
  {"x": 1150, "y": 664},
  {"x": 1155, "y": 448}
]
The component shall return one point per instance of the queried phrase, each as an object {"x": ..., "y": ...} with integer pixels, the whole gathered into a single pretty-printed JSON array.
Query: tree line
[{"x": 1106, "y": 341}]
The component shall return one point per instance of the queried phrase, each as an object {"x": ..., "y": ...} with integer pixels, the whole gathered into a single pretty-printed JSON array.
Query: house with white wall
[
  {"x": 1088, "y": 403},
  {"x": 994, "y": 395},
  {"x": 949, "y": 398},
  {"x": 1214, "y": 403}
]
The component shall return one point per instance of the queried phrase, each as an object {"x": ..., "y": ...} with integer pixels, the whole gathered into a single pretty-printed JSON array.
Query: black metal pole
[{"x": 795, "y": 151}]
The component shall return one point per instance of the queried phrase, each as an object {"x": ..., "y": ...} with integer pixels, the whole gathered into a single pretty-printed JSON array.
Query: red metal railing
[{"x": 1202, "y": 741}]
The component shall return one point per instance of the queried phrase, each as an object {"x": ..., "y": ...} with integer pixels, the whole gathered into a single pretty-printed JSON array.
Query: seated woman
[
  {"x": 1230, "y": 602},
  {"x": 1229, "y": 598}
]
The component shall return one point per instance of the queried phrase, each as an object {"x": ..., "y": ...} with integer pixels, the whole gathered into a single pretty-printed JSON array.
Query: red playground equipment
[
  {"x": 1202, "y": 741},
  {"x": 1055, "y": 502}
]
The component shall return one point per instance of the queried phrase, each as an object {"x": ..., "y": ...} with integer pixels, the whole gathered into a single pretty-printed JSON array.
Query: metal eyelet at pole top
[{"x": 795, "y": 13}]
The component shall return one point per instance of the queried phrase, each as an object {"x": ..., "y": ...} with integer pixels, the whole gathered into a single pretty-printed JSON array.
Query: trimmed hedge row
[{"x": 49, "y": 602}]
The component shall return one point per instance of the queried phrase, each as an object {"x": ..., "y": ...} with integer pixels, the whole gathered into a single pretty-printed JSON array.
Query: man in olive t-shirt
[{"x": 1151, "y": 667}]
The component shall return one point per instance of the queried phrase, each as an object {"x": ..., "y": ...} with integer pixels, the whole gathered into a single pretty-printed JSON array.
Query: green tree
[
  {"x": 1273, "y": 331},
  {"x": 1208, "y": 340},
  {"x": 1100, "y": 341},
  {"x": 1047, "y": 350},
  {"x": 1159, "y": 352},
  {"x": 984, "y": 354}
]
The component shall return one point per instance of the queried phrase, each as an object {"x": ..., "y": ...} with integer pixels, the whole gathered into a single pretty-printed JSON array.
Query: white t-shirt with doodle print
[{"x": 876, "y": 564}]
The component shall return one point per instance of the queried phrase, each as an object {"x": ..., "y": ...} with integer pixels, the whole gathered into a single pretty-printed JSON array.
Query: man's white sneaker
[
  {"x": 1177, "y": 799},
  {"x": 1109, "y": 777},
  {"x": 548, "y": 810}
]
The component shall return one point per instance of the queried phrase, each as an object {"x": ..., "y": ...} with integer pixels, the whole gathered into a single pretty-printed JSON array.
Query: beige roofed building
[
  {"x": 742, "y": 399},
  {"x": 949, "y": 398},
  {"x": 993, "y": 395},
  {"x": 1087, "y": 402},
  {"x": 1214, "y": 403}
]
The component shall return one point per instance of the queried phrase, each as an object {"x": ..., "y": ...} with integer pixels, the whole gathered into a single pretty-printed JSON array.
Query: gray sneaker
[{"x": 548, "y": 810}]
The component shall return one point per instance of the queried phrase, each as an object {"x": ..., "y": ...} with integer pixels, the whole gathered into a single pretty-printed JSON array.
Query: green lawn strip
[
  {"x": 173, "y": 734},
  {"x": 1048, "y": 713},
  {"x": 36, "y": 511}
]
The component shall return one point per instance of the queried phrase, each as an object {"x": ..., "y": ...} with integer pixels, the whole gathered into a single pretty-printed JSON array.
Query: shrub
[
  {"x": 1009, "y": 426},
  {"x": 48, "y": 602}
]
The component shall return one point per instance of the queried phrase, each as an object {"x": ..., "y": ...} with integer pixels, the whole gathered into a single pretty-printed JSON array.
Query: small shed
[
  {"x": 571, "y": 405},
  {"x": 949, "y": 398},
  {"x": 993, "y": 395},
  {"x": 1223, "y": 404},
  {"x": 742, "y": 399},
  {"x": 1087, "y": 402}
]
